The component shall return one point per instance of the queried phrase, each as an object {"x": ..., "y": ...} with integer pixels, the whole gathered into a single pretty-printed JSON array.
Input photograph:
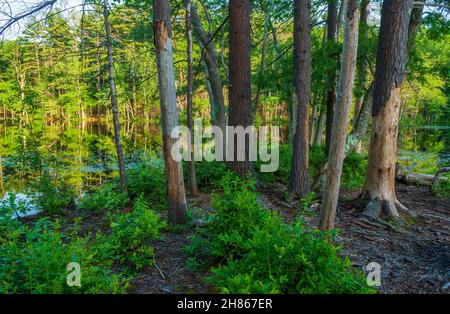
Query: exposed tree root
[{"x": 378, "y": 208}]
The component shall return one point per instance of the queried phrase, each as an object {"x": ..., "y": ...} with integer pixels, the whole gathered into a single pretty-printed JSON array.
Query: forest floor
[{"x": 414, "y": 259}]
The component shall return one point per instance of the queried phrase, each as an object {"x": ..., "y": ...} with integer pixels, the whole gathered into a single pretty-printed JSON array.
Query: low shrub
[
  {"x": 237, "y": 212},
  {"x": 354, "y": 171},
  {"x": 442, "y": 188},
  {"x": 53, "y": 194},
  {"x": 129, "y": 242},
  {"x": 108, "y": 196},
  {"x": 252, "y": 250},
  {"x": 284, "y": 167},
  {"x": 208, "y": 174},
  {"x": 33, "y": 259},
  {"x": 289, "y": 259},
  {"x": 147, "y": 177}
]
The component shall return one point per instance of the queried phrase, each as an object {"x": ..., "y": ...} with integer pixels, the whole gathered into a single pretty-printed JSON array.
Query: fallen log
[{"x": 421, "y": 179}]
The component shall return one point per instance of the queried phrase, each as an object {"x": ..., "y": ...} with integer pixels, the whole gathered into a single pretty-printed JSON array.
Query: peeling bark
[
  {"x": 190, "y": 89},
  {"x": 176, "y": 196}
]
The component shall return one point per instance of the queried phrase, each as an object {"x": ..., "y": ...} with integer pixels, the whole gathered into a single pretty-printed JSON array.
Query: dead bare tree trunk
[
  {"x": 342, "y": 117},
  {"x": 189, "y": 92},
  {"x": 176, "y": 196},
  {"x": 299, "y": 181},
  {"x": 240, "y": 97},
  {"x": 113, "y": 96},
  {"x": 390, "y": 68}
]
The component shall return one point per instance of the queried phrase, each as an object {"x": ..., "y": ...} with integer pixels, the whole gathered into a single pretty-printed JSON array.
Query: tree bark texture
[
  {"x": 240, "y": 106},
  {"x": 176, "y": 196},
  {"x": 299, "y": 181},
  {"x": 342, "y": 117}
]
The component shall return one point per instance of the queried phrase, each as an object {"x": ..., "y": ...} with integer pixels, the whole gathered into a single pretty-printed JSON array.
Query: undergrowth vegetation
[
  {"x": 34, "y": 255},
  {"x": 251, "y": 250},
  {"x": 353, "y": 171}
]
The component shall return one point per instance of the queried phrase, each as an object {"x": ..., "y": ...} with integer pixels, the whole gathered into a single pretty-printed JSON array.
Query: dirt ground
[{"x": 413, "y": 259}]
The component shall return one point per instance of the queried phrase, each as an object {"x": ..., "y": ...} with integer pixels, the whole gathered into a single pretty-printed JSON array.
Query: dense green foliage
[
  {"x": 267, "y": 255},
  {"x": 34, "y": 256}
]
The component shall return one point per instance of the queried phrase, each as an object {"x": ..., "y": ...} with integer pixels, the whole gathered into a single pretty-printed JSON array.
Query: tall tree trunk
[
  {"x": 341, "y": 16},
  {"x": 262, "y": 66},
  {"x": 390, "y": 69},
  {"x": 189, "y": 92},
  {"x": 331, "y": 81},
  {"x": 240, "y": 97},
  {"x": 176, "y": 196},
  {"x": 299, "y": 181},
  {"x": 362, "y": 65},
  {"x": 212, "y": 63},
  {"x": 342, "y": 117},
  {"x": 113, "y": 95},
  {"x": 320, "y": 127}
]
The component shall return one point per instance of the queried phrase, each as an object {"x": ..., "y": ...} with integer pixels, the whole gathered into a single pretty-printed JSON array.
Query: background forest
[{"x": 83, "y": 173}]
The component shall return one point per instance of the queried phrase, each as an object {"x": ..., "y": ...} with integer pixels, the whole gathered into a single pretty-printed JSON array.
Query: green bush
[
  {"x": 354, "y": 171},
  {"x": 147, "y": 177},
  {"x": 108, "y": 196},
  {"x": 237, "y": 212},
  {"x": 34, "y": 260},
  {"x": 442, "y": 188},
  {"x": 284, "y": 168},
  {"x": 287, "y": 258},
  {"x": 129, "y": 242},
  {"x": 253, "y": 251},
  {"x": 52, "y": 194},
  {"x": 208, "y": 174}
]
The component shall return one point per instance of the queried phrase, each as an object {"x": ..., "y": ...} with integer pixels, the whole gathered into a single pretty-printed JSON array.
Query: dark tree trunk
[
  {"x": 176, "y": 196},
  {"x": 240, "y": 106},
  {"x": 189, "y": 92},
  {"x": 331, "y": 81},
  {"x": 113, "y": 95},
  {"x": 299, "y": 182}
]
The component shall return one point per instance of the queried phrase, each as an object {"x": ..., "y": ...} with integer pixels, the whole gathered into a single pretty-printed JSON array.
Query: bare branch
[{"x": 30, "y": 11}]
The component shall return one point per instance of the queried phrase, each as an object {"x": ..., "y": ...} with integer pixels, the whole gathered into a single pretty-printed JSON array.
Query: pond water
[{"x": 84, "y": 154}]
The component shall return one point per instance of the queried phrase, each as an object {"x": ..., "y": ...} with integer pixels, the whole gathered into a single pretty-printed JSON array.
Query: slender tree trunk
[
  {"x": 313, "y": 123},
  {"x": 113, "y": 95},
  {"x": 212, "y": 63},
  {"x": 2, "y": 188},
  {"x": 320, "y": 127},
  {"x": 341, "y": 17},
  {"x": 362, "y": 67},
  {"x": 331, "y": 81},
  {"x": 390, "y": 69},
  {"x": 176, "y": 196},
  {"x": 240, "y": 97},
  {"x": 190, "y": 88},
  {"x": 262, "y": 66},
  {"x": 299, "y": 181},
  {"x": 342, "y": 117}
]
